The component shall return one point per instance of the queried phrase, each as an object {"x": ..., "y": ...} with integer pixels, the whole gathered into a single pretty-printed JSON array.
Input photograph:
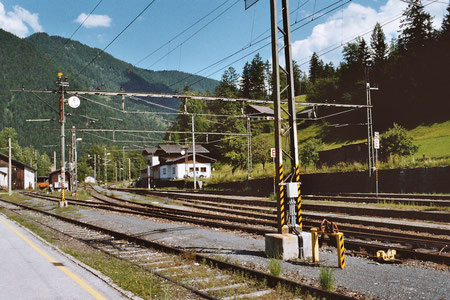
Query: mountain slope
[{"x": 34, "y": 63}]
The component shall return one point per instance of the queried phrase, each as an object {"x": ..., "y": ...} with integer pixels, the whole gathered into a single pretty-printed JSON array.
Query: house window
[
  {"x": 164, "y": 171},
  {"x": 173, "y": 170},
  {"x": 191, "y": 169},
  {"x": 203, "y": 169}
]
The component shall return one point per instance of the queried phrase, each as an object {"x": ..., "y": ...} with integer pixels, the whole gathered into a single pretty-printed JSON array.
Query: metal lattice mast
[{"x": 292, "y": 152}]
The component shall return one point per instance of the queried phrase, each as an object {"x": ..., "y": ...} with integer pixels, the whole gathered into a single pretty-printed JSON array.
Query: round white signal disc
[{"x": 74, "y": 101}]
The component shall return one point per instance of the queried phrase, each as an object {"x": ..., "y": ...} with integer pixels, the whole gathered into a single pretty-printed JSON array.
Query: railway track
[
  {"x": 371, "y": 239},
  {"x": 426, "y": 215},
  {"x": 204, "y": 276}
]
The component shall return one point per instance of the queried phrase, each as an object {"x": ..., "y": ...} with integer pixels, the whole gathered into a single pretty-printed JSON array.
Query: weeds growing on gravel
[
  {"x": 275, "y": 267},
  {"x": 326, "y": 278}
]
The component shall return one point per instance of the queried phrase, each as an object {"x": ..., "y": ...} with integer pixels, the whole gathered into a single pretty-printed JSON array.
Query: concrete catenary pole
[
  {"x": 106, "y": 175},
  {"x": 36, "y": 165},
  {"x": 95, "y": 167},
  {"x": 193, "y": 153},
  {"x": 129, "y": 169},
  {"x": 9, "y": 168},
  {"x": 62, "y": 85}
]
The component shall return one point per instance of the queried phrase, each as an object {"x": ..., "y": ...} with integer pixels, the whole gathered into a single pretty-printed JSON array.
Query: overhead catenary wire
[
  {"x": 195, "y": 33},
  {"x": 265, "y": 45},
  {"x": 257, "y": 42},
  {"x": 331, "y": 48},
  {"x": 81, "y": 24},
  {"x": 181, "y": 33},
  {"x": 116, "y": 37}
]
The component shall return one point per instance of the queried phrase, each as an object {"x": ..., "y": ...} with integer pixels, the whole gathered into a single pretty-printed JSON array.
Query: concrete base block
[
  {"x": 306, "y": 251},
  {"x": 284, "y": 246}
]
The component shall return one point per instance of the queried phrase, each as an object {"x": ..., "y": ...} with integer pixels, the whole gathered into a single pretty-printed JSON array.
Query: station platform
[{"x": 32, "y": 269}]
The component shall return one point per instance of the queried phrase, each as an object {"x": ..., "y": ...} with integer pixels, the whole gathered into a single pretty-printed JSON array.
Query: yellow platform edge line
[{"x": 74, "y": 277}]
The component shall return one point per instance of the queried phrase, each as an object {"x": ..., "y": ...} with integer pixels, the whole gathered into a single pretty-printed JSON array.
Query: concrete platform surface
[{"x": 31, "y": 269}]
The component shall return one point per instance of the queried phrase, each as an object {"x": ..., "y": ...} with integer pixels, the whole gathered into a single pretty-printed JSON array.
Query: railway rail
[
  {"x": 370, "y": 239},
  {"x": 438, "y": 247},
  {"x": 204, "y": 276}
]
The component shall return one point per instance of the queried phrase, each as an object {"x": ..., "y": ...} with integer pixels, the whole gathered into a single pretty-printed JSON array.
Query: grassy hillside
[{"x": 433, "y": 141}]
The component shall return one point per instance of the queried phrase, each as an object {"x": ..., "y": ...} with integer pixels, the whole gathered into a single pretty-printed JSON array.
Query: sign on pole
[
  {"x": 376, "y": 140},
  {"x": 273, "y": 152}
]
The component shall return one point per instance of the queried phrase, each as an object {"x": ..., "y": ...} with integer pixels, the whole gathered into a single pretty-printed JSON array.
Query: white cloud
[
  {"x": 93, "y": 20},
  {"x": 355, "y": 20},
  {"x": 19, "y": 20}
]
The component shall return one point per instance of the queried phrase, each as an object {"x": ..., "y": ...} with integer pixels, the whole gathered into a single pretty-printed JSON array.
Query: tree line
[{"x": 409, "y": 72}]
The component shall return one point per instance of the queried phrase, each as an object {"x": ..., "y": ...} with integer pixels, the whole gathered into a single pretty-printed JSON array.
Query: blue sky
[{"x": 234, "y": 29}]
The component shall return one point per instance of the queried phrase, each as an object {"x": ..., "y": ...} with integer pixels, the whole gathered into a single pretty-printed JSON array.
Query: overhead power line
[
  {"x": 331, "y": 48},
  {"x": 257, "y": 41},
  {"x": 81, "y": 24},
  {"x": 117, "y": 36},
  {"x": 180, "y": 33},
  {"x": 195, "y": 33}
]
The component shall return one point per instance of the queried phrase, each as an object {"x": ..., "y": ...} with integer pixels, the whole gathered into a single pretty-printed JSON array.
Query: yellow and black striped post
[
  {"x": 299, "y": 198},
  {"x": 282, "y": 227},
  {"x": 340, "y": 249}
]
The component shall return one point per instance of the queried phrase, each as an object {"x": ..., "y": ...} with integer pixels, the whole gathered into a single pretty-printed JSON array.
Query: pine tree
[
  {"x": 228, "y": 85},
  {"x": 363, "y": 53},
  {"x": 315, "y": 68},
  {"x": 416, "y": 27},
  {"x": 378, "y": 45},
  {"x": 258, "y": 78},
  {"x": 444, "y": 34},
  {"x": 245, "y": 81}
]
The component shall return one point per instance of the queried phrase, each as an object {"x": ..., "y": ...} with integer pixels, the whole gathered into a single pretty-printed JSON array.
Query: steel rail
[
  {"x": 167, "y": 213},
  {"x": 271, "y": 281}
]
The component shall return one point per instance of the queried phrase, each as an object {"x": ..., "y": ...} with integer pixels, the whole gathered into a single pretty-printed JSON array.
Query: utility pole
[
  {"x": 95, "y": 167},
  {"x": 123, "y": 164},
  {"x": 62, "y": 84},
  {"x": 9, "y": 168},
  {"x": 54, "y": 160},
  {"x": 193, "y": 152},
  {"x": 249, "y": 150},
  {"x": 106, "y": 175},
  {"x": 72, "y": 169},
  {"x": 293, "y": 178},
  {"x": 129, "y": 169},
  {"x": 36, "y": 165},
  {"x": 370, "y": 140}
]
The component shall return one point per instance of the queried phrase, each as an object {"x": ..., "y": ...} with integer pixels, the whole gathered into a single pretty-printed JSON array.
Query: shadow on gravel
[
  {"x": 162, "y": 230},
  {"x": 225, "y": 251}
]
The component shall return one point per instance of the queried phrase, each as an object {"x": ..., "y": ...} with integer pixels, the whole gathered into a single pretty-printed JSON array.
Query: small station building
[
  {"x": 23, "y": 176},
  {"x": 55, "y": 180}
]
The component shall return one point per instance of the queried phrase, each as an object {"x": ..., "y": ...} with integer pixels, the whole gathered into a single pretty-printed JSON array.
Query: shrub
[{"x": 396, "y": 141}]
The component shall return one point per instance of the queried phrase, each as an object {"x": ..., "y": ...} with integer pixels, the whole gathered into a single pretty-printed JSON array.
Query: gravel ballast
[{"x": 385, "y": 281}]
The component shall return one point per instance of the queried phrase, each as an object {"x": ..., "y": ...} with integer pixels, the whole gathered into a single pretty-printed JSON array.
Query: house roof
[
  {"x": 184, "y": 157},
  {"x": 15, "y": 162},
  {"x": 176, "y": 149},
  {"x": 58, "y": 171},
  {"x": 260, "y": 110},
  {"x": 149, "y": 151}
]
